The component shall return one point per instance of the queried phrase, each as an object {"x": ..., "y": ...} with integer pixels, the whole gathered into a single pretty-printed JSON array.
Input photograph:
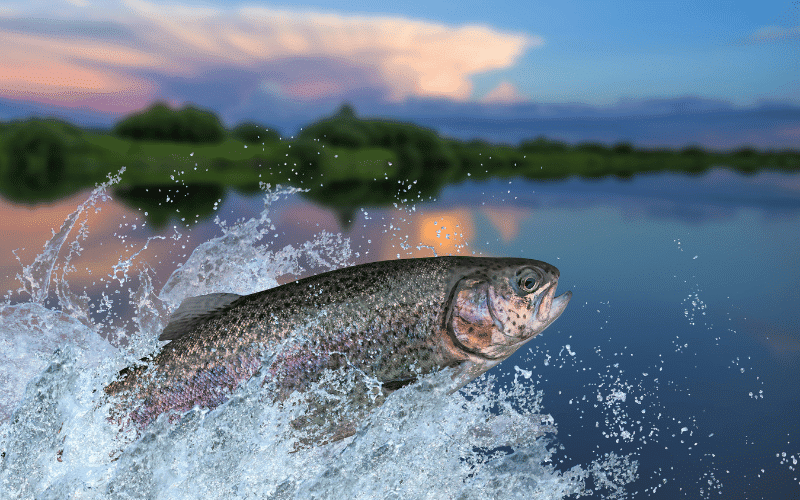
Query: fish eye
[{"x": 529, "y": 281}]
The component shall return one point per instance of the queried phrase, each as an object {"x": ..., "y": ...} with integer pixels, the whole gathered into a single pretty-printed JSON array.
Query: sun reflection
[
  {"x": 447, "y": 232},
  {"x": 506, "y": 221}
]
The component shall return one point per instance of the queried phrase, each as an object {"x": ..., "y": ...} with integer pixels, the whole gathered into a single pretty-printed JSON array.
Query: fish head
[{"x": 495, "y": 310}]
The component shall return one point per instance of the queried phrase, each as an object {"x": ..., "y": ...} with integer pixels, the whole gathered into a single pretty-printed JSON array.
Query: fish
[{"x": 390, "y": 322}]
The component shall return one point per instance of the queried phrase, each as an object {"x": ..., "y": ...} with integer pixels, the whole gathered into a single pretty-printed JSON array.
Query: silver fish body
[{"x": 392, "y": 321}]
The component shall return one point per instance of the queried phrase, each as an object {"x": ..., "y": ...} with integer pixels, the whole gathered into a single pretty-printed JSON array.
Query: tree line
[
  {"x": 40, "y": 156},
  {"x": 50, "y": 155}
]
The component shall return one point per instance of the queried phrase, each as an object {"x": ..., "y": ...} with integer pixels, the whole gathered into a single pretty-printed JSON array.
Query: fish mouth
[{"x": 551, "y": 307}]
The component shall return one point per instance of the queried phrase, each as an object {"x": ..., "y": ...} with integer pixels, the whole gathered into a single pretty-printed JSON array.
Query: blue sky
[
  {"x": 116, "y": 56},
  {"x": 598, "y": 51},
  {"x": 601, "y": 51}
]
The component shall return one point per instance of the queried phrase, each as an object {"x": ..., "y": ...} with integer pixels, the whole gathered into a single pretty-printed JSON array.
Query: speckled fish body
[{"x": 394, "y": 321}]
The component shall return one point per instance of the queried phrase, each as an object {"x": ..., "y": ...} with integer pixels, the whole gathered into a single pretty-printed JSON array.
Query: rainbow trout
[{"x": 391, "y": 321}]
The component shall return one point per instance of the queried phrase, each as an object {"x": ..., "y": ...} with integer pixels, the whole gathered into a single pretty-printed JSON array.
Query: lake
[{"x": 673, "y": 373}]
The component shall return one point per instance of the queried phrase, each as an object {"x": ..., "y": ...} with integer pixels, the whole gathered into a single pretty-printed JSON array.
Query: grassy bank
[{"x": 357, "y": 161}]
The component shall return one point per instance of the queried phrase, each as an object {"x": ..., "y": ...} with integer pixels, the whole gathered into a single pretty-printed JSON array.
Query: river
[{"x": 673, "y": 373}]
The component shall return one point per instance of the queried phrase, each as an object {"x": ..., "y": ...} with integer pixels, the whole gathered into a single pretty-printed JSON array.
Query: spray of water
[{"x": 56, "y": 440}]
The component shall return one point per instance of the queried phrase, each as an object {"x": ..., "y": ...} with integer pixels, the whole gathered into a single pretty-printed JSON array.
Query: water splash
[
  {"x": 421, "y": 443},
  {"x": 241, "y": 260},
  {"x": 37, "y": 276},
  {"x": 484, "y": 441}
]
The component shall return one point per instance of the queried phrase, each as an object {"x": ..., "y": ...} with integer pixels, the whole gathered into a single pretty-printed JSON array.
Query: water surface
[{"x": 680, "y": 350}]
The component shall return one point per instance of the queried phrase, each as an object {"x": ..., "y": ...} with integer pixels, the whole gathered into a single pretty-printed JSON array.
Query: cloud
[
  {"x": 33, "y": 69},
  {"x": 138, "y": 50},
  {"x": 792, "y": 132},
  {"x": 768, "y": 34},
  {"x": 504, "y": 93}
]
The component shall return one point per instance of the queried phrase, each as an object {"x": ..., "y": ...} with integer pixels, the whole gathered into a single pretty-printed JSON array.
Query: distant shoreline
[{"x": 356, "y": 161}]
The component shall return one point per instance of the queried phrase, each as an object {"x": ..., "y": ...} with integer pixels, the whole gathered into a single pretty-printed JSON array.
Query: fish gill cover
[{"x": 60, "y": 348}]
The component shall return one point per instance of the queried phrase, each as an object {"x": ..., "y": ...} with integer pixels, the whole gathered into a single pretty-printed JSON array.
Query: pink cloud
[
  {"x": 504, "y": 93},
  {"x": 401, "y": 57},
  {"x": 311, "y": 89},
  {"x": 33, "y": 69}
]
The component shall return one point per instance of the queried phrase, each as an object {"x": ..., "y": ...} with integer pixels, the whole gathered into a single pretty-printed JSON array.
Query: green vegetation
[
  {"x": 419, "y": 154},
  {"x": 43, "y": 160},
  {"x": 252, "y": 133},
  {"x": 160, "y": 123},
  {"x": 358, "y": 162}
]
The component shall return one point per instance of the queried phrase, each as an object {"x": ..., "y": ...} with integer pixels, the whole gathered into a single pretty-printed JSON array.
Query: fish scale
[{"x": 391, "y": 321}]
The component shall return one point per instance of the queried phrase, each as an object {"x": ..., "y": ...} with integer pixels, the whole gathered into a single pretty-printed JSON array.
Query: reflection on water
[
  {"x": 162, "y": 203},
  {"x": 680, "y": 346},
  {"x": 445, "y": 226}
]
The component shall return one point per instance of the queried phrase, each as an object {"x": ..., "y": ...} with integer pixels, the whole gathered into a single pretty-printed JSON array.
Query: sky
[{"x": 113, "y": 57}]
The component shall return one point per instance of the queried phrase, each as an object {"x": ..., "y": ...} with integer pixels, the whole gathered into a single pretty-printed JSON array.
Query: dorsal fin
[{"x": 194, "y": 311}]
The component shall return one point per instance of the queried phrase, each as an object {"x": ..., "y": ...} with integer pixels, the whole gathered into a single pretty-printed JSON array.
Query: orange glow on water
[
  {"x": 30, "y": 228},
  {"x": 447, "y": 232},
  {"x": 506, "y": 221}
]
